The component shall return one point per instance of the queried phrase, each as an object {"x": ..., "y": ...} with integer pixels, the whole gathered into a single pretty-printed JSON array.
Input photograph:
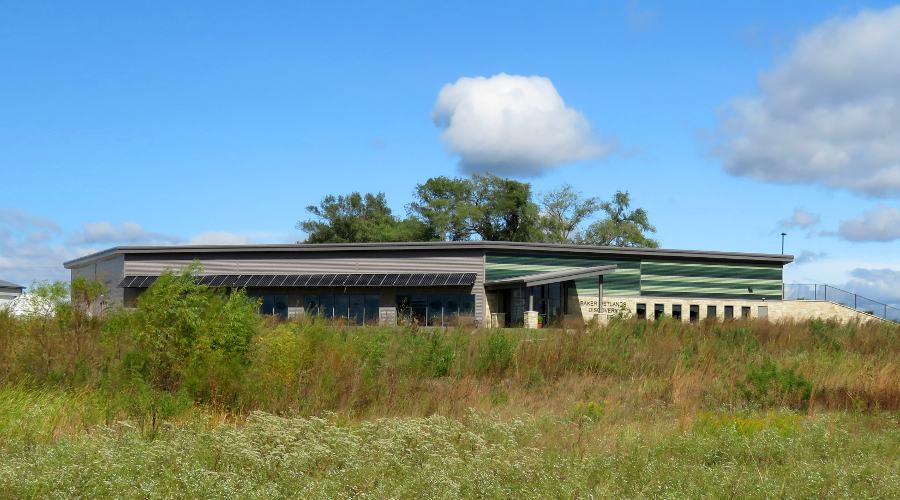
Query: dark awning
[
  {"x": 316, "y": 280},
  {"x": 569, "y": 274}
]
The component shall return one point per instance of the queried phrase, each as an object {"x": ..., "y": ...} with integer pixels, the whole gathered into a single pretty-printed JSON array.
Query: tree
[
  {"x": 358, "y": 218},
  {"x": 620, "y": 227},
  {"x": 563, "y": 211},
  {"x": 491, "y": 207},
  {"x": 445, "y": 206},
  {"x": 503, "y": 210}
]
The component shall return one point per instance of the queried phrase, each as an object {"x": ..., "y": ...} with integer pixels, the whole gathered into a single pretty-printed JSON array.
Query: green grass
[
  {"x": 720, "y": 455},
  {"x": 140, "y": 405}
]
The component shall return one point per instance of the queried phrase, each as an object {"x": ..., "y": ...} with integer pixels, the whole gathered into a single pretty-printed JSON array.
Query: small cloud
[
  {"x": 126, "y": 233},
  {"x": 881, "y": 224},
  {"x": 219, "y": 238},
  {"x": 808, "y": 256},
  {"x": 800, "y": 219},
  {"x": 512, "y": 125}
]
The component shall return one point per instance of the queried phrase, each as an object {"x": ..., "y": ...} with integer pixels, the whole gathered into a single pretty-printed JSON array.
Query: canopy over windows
[{"x": 570, "y": 274}]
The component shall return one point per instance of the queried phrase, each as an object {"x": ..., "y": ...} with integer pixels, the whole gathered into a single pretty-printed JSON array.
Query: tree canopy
[
  {"x": 620, "y": 227},
  {"x": 485, "y": 207},
  {"x": 357, "y": 218}
]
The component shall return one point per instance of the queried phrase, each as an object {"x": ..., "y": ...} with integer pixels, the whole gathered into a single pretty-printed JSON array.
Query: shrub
[
  {"x": 496, "y": 354},
  {"x": 769, "y": 385},
  {"x": 195, "y": 334}
]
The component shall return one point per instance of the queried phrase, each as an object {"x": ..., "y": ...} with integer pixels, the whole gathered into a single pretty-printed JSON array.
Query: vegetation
[
  {"x": 193, "y": 392},
  {"x": 484, "y": 207}
]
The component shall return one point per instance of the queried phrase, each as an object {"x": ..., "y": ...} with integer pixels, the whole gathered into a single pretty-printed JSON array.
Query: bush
[
  {"x": 194, "y": 335},
  {"x": 769, "y": 385}
]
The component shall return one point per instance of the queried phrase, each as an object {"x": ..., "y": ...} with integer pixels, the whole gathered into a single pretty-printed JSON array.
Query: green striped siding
[
  {"x": 626, "y": 281},
  {"x": 650, "y": 277},
  {"x": 685, "y": 279}
]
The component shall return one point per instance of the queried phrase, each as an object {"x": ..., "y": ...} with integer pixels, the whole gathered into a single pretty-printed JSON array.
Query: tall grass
[{"x": 192, "y": 391}]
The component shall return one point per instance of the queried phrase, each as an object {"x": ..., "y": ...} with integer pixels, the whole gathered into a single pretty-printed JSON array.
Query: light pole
[{"x": 782, "y": 242}]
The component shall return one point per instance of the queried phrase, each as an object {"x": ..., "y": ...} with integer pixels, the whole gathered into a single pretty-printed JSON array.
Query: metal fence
[{"x": 843, "y": 297}]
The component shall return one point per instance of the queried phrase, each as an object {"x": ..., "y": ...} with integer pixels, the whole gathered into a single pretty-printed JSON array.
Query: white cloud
[
  {"x": 219, "y": 238},
  {"x": 828, "y": 113},
  {"x": 878, "y": 284},
  {"x": 126, "y": 233},
  {"x": 880, "y": 224},
  {"x": 512, "y": 125},
  {"x": 28, "y": 251},
  {"x": 800, "y": 219}
]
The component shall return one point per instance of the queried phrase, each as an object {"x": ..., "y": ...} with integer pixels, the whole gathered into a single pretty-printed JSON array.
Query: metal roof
[
  {"x": 317, "y": 280},
  {"x": 573, "y": 273},
  {"x": 7, "y": 284},
  {"x": 494, "y": 246}
]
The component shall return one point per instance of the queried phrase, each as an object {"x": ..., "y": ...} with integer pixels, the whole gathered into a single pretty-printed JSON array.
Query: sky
[{"x": 219, "y": 122}]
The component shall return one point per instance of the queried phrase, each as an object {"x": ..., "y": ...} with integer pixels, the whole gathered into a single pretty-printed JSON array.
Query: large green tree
[
  {"x": 357, "y": 218},
  {"x": 620, "y": 227},
  {"x": 487, "y": 206},
  {"x": 562, "y": 212},
  {"x": 444, "y": 204}
]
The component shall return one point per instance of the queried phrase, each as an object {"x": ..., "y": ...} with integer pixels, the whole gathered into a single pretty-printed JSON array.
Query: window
[
  {"x": 762, "y": 312},
  {"x": 745, "y": 312},
  {"x": 710, "y": 311},
  {"x": 676, "y": 311},
  {"x": 434, "y": 309},
  {"x": 311, "y": 304},
  {"x": 659, "y": 310},
  {"x": 356, "y": 309},
  {"x": 274, "y": 305},
  {"x": 341, "y": 306},
  {"x": 641, "y": 311},
  {"x": 695, "y": 314},
  {"x": 371, "y": 313},
  {"x": 729, "y": 312}
]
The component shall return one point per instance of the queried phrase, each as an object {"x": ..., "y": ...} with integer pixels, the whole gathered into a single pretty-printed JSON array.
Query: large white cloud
[
  {"x": 880, "y": 224},
  {"x": 513, "y": 125},
  {"x": 827, "y": 114}
]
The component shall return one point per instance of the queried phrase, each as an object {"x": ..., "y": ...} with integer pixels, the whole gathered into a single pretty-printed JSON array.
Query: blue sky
[{"x": 217, "y": 122}]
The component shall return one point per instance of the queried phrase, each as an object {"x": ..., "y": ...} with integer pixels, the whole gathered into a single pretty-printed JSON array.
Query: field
[{"x": 203, "y": 398}]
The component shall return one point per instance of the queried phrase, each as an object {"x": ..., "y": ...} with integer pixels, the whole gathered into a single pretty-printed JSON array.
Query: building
[
  {"x": 9, "y": 292},
  {"x": 477, "y": 282}
]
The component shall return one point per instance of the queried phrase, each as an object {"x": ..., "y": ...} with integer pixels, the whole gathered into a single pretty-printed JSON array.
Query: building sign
[{"x": 609, "y": 309}]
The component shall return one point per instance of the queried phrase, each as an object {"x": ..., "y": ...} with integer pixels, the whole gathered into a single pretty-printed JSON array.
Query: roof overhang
[
  {"x": 193, "y": 251},
  {"x": 570, "y": 274}
]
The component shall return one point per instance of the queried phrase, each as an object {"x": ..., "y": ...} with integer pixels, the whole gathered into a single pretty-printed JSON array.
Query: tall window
[
  {"x": 355, "y": 309},
  {"x": 676, "y": 311},
  {"x": 659, "y": 310},
  {"x": 436, "y": 309},
  {"x": 710, "y": 311},
  {"x": 695, "y": 314},
  {"x": 641, "y": 311},
  {"x": 745, "y": 312},
  {"x": 274, "y": 305},
  {"x": 729, "y": 312},
  {"x": 550, "y": 300}
]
